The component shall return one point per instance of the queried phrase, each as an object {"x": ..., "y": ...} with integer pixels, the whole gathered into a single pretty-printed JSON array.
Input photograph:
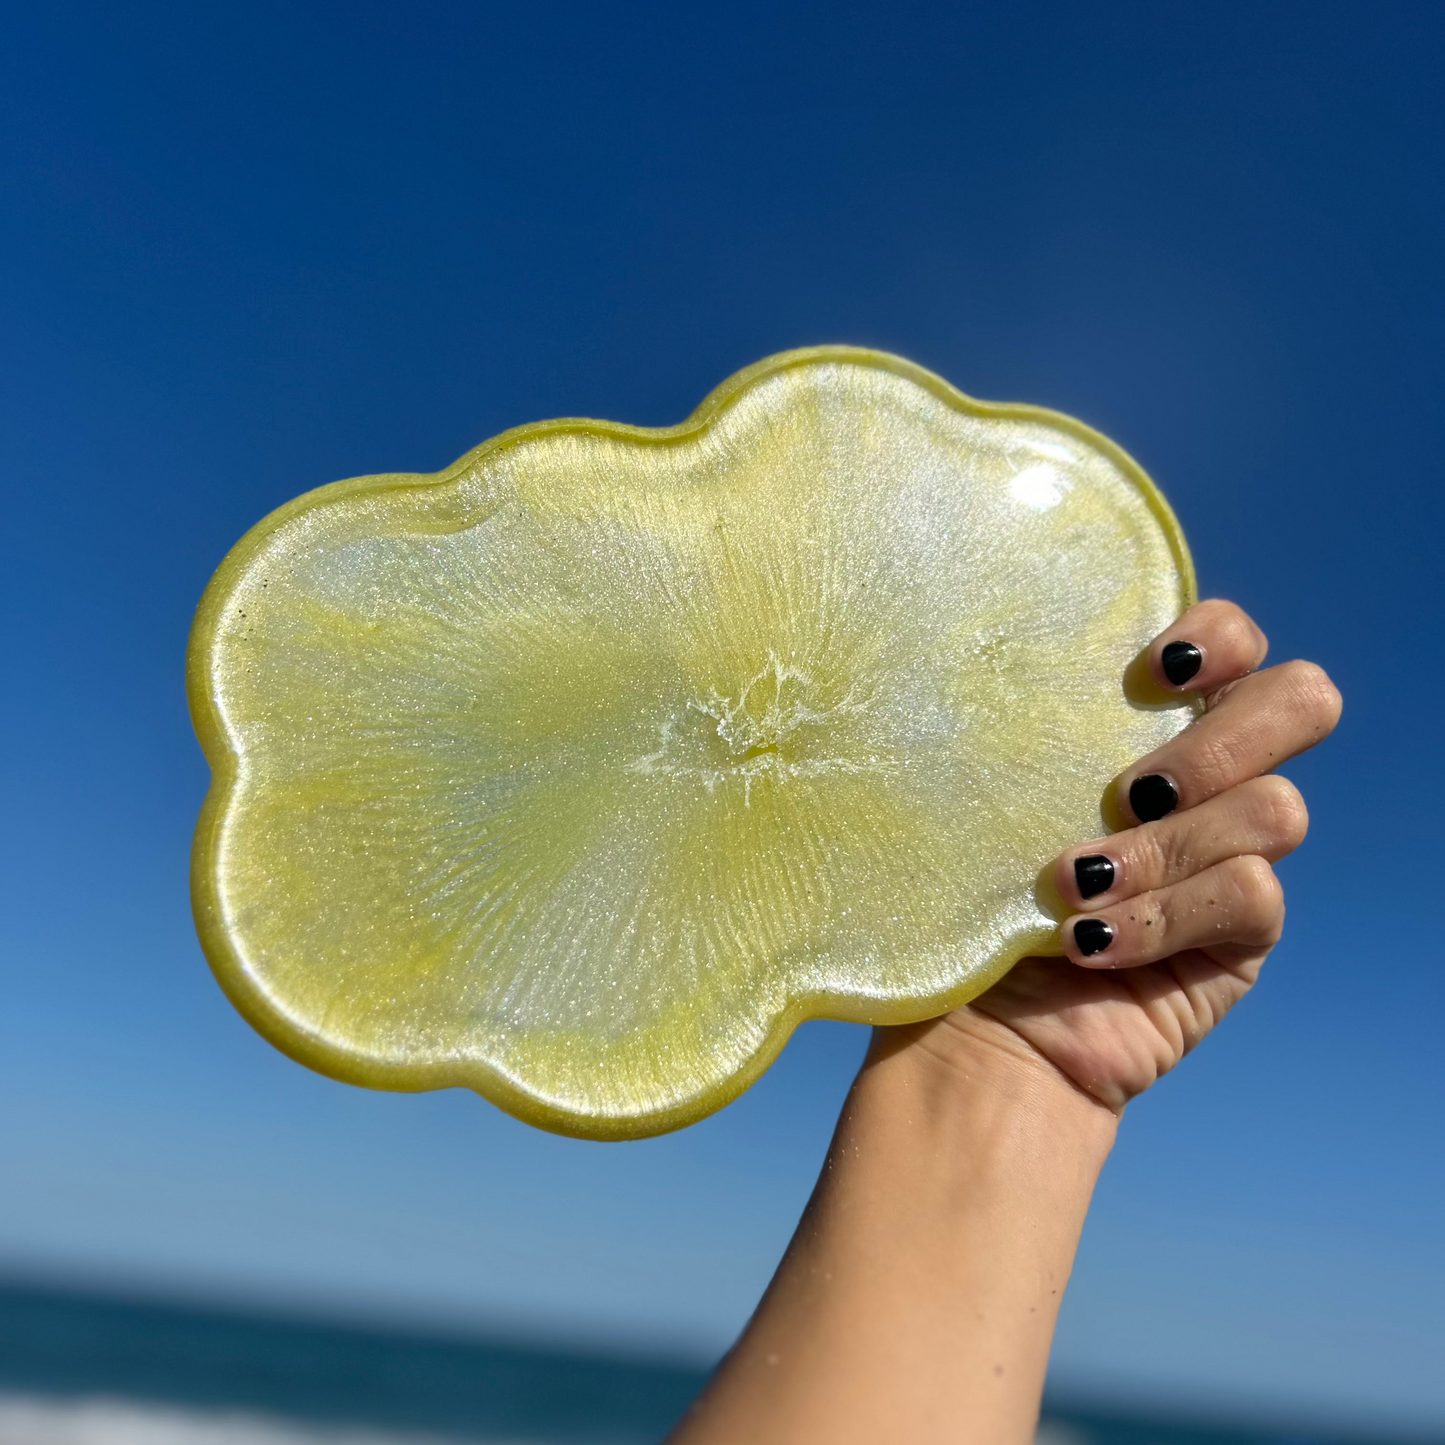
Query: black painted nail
[
  {"x": 1180, "y": 661},
  {"x": 1092, "y": 935},
  {"x": 1094, "y": 874},
  {"x": 1152, "y": 796}
]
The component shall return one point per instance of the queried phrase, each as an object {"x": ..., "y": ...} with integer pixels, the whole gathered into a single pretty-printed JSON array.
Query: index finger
[{"x": 1212, "y": 644}]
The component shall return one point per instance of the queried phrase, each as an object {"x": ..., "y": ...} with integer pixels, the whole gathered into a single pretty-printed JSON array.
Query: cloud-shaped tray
[{"x": 582, "y": 771}]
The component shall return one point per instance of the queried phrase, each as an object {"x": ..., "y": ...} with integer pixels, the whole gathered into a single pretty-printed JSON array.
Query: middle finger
[
  {"x": 1265, "y": 817},
  {"x": 1251, "y": 728}
]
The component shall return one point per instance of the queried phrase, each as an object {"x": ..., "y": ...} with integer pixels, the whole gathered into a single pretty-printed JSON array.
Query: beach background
[
  {"x": 249, "y": 249},
  {"x": 84, "y": 1368}
]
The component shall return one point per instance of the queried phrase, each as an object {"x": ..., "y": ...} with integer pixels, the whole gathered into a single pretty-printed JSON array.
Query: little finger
[{"x": 1238, "y": 902}]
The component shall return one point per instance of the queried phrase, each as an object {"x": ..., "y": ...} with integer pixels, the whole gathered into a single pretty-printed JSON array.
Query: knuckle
[
  {"x": 1216, "y": 762},
  {"x": 1286, "y": 819},
  {"x": 1313, "y": 694},
  {"x": 1234, "y": 631},
  {"x": 1156, "y": 939},
  {"x": 1156, "y": 854},
  {"x": 1239, "y": 636},
  {"x": 1260, "y": 897},
  {"x": 1221, "y": 611}
]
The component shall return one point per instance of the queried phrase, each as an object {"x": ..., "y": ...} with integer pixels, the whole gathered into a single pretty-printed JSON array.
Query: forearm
[{"x": 918, "y": 1297}]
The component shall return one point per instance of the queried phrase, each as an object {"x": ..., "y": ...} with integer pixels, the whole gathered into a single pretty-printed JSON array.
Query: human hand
[{"x": 1177, "y": 913}]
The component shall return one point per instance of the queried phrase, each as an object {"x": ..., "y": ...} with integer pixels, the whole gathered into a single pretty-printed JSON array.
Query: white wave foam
[{"x": 33, "y": 1420}]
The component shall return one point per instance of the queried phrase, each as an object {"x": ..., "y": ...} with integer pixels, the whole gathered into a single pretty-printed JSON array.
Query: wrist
[
  {"x": 966, "y": 1073},
  {"x": 936, "y": 1248}
]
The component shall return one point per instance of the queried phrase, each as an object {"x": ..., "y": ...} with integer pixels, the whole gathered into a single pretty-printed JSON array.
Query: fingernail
[
  {"x": 1152, "y": 796},
  {"x": 1180, "y": 661},
  {"x": 1094, "y": 873},
  {"x": 1092, "y": 935}
]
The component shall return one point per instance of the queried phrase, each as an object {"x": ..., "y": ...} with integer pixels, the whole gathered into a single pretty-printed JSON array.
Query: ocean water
[
  {"x": 77, "y": 1362},
  {"x": 80, "y": 1368}
]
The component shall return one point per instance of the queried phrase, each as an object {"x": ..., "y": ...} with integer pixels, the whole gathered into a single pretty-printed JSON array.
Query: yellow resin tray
[{"x": 581, "y": 772}]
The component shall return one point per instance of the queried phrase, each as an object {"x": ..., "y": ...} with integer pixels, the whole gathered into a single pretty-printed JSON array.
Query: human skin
[{"x": 917, "y": 1300}]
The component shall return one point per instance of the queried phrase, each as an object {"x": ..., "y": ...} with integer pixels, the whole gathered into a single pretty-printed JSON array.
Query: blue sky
[{"x": 246, "y": 250}]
